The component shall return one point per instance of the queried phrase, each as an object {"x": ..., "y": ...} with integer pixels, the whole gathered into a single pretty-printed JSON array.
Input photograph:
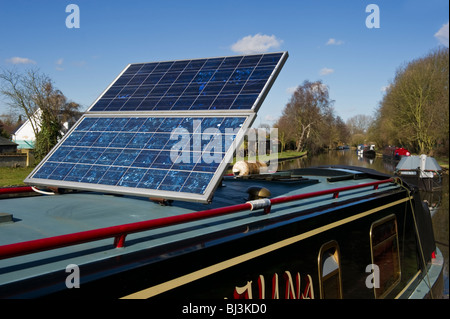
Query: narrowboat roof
[
  {"x": 413, "y": 162},
  {"x": 39, "y": 217}
]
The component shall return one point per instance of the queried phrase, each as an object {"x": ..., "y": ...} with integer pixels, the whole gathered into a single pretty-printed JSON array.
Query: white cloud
[
  {"x": 258, "y": 43},
  {"x": 291, "y": 89},
  {"x": 332, "y": 41},
  {"x": 442, "y": 34},
  {"x": 326, "y": 71},
  {"x": 19, "y": 60},
  {"x": 59, "y": 64}
]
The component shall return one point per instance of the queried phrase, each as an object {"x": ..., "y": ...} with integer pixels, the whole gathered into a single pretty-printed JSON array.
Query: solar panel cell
[
  {"x": 148, "y": 104},
  {"x": 251, "y": 60},
  {"x": 243, "y": 102},
  {"x": 131, "y": 177},
  {"x": 178, "y": 66},
  {"x": 270, "y": 59},
  {"x": 91, "y": 156},
  {"x": 202, "y": 103},
  {"x": 141, "y": 68},
  {"x": 134, "y": 68},
  {"x": 94, "y": 174},
  {"x": 176, "y": 89},
  {"x": 195, "y": 64},
  {"x": 162, "y": 67},
  {"x": 222, "y": 75},
  {"x": 152, "y": 179},
  {"x": 75, "y": 155},
  {"x": 196, "y": 183},
  {"x": 61, "y": 171},
  {"x": 230, "y": 62},
  {"x": 108, "y": 157},
  {"x": 174, "y": 181},
  {"x": 112, "y": 175},
  {"x": 77, "y": 173}
]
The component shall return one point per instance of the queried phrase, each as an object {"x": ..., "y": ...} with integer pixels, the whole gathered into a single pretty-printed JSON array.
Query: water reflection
[
  {"x": 438, "y": 200},
  {"x": 339, "y": 157}
]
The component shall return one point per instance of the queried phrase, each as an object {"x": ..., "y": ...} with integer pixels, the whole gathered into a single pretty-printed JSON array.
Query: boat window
[
  {"x": 330, "y": 271},
  {"x": 385, "y": 255}
]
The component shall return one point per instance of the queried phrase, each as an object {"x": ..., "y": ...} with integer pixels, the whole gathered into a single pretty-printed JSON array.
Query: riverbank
[
  {"x": 282, "y": 156},
  {"x": 13, "y": 176},
  {"x": 443, "y": 162}
]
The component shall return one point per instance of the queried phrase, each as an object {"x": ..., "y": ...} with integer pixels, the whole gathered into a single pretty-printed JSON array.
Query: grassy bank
[
  {"x": 291, "y": 154},
  {"x": 13, "y": 176},
  {"x": 443, "y": 162}
]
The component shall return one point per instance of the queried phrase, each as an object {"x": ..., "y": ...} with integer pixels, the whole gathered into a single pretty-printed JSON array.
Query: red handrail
[
  {"x": 119, "y": 232},
  {"x": 14, "y": 190}
]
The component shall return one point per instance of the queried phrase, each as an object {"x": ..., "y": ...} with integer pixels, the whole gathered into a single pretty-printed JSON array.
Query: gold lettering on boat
[{"x": 292, "y": 290}]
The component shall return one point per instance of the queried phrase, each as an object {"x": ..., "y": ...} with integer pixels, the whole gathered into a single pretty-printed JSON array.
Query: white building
[{"x": 24, "y": 136}]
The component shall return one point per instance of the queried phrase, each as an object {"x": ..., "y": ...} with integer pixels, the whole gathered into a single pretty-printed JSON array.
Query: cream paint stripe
[
  {"x": 168, "y": 285},
  {"x": 408, "y": 285}
]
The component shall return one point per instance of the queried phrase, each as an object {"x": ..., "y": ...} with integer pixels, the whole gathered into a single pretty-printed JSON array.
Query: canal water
[{"x": 439, "y": 199}]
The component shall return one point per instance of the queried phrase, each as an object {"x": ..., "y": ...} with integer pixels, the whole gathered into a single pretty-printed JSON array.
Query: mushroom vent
[{"x": 257, "y": 192}]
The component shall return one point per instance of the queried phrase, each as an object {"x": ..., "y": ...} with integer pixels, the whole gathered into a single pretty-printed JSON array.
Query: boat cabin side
[{"x": 365, "y": 248}]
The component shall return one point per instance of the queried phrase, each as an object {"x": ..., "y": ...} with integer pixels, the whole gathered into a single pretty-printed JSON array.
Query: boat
[
  {"x": 320, "y": 232},
  {"x": 134, "y": 202},
  {"x": 394, "y": 153},
  {"x": 422, "y": 171},
  {"x": 366, "y": 150},
  {"x": 369, "y": 151},
  {"x": 360, "y": 150}
]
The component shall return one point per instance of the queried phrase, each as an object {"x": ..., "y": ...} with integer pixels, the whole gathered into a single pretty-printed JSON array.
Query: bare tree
[
  {"x": 17, "y": 90},
  {"x": 33, "y": 91},
  {"x": 286, "y": 131},
  {"x": 343, "y": 133},
  {"x": 359, "y": 124},
  {"x": 306, "y": 112}
]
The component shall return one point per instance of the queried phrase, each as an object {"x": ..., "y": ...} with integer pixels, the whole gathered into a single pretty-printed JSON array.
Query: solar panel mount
[{"x": 163, "y": 129}]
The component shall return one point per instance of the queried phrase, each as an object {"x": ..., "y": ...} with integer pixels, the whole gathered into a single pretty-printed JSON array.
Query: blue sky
[{"x": 327, "y": 40}]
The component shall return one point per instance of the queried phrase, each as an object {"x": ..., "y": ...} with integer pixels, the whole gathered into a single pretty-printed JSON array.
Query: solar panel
[
  {"x": 133, "y": 155},
  {"x": 165, "y": 129},
  {"x": 229, "y": 83}
]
